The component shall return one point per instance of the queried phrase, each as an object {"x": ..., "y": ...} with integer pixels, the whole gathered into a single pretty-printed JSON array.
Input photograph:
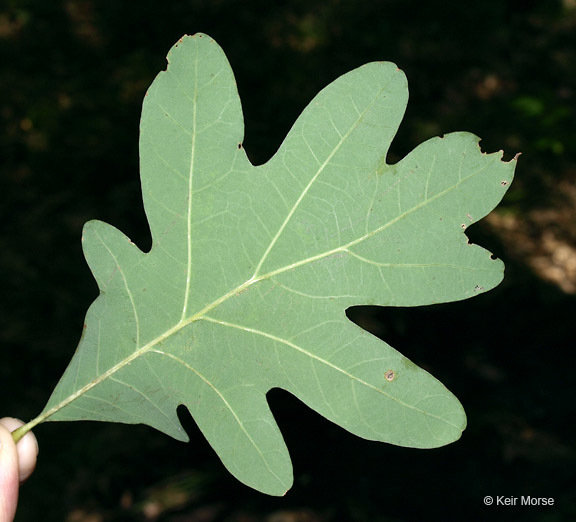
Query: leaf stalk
[{"x": 18, "y": 433}]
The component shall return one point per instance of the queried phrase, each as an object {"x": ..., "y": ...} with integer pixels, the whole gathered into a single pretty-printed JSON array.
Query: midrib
[
  {"x": 253, "y": 280},
  {"x": 185, "y": 321}
]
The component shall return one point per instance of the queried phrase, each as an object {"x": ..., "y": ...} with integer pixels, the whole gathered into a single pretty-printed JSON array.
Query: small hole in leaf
[
  {"x": 239, "y": 145},
  {"x": 493, "y": 257},
  {"x": 390, "y": 375},
  {"x": 504, "y": 183},
  {"x": 463, "y": 226}
]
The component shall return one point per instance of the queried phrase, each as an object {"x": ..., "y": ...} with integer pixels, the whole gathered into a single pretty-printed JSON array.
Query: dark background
[{"x": 72, "y": 77}]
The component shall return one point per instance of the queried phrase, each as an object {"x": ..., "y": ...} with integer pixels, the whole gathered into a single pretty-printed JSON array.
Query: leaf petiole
[{"x": 18, "y": 433}]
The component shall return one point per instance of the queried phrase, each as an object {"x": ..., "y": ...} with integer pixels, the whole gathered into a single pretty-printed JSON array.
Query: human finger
[
  {"x": 27, "y": 448},
  {"x": 9, "y": 482}
]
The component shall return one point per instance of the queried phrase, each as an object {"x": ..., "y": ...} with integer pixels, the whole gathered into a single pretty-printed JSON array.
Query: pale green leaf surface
[{"x": 252, "y": 268}]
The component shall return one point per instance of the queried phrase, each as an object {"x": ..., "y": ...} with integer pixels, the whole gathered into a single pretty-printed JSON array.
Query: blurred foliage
[{"x": 72, "y": 77}]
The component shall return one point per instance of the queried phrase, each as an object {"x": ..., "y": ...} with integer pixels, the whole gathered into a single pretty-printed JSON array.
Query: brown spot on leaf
[{"x": 390, "y": 375}]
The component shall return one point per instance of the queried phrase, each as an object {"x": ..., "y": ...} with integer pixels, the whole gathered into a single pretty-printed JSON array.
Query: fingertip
[
  {"x": 27, "y": 448},
  {"x": 27, "y": 455}
]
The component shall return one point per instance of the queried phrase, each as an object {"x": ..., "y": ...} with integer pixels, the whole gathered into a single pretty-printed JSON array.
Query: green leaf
[{"x": 252, "y": 268}]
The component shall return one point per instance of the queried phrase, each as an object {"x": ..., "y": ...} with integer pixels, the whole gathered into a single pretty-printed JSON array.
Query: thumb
[
  {"x": 9, "y": 480},
  {"x": 27, "y": 448}
]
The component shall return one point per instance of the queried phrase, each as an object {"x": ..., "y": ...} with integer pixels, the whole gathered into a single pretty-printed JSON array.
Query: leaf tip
[
  {"x": 273, "y": 487},
  {"x": 88, "y": 229}
]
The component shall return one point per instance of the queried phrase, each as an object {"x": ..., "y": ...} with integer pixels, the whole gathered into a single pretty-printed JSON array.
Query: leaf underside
[{"x": 252, "y": 268}]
